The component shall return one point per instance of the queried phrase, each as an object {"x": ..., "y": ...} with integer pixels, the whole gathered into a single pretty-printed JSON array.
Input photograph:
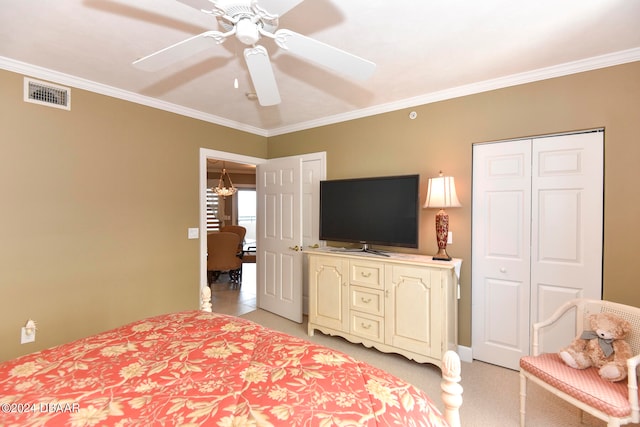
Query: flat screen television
[{"x": 371, "y": 211}]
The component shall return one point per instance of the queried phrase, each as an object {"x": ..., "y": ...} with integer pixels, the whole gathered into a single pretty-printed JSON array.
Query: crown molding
[
  {"x": 593, "y": 63},
  {"x": 589, "y": 64},
  {"x": 80, "y": 83}
]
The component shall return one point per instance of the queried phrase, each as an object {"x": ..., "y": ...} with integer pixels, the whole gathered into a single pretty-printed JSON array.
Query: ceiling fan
[{"x": 249, "y": 21}]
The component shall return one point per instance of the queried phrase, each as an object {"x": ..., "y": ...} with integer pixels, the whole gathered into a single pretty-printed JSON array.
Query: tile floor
[{"x": 225, "y": 299}]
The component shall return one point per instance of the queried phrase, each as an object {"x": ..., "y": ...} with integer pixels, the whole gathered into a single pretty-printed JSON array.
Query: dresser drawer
[
  {"x": 367, "y": 273},
  {"x": 367, "y": 326},
  {"x": 367, "y": 300}
]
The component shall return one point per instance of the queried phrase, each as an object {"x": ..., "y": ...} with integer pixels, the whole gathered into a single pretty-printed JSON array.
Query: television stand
[{"x": 403, "y": 303}]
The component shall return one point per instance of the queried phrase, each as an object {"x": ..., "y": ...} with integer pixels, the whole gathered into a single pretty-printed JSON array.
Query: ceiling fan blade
[
  {"x": 276, "y": 7},
  {"x": 179, "y": 51},
  {"x": 198, "y": 4},
  {"x": 323, "y": 54},
  {"x": 264, "y": 82}
]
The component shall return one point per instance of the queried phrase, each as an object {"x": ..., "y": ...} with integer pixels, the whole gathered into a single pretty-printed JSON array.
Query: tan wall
[
  {"x": 441, "y": 138},
  {"x": 94, "y": 209},
  {"x": 95, "y": 203}
]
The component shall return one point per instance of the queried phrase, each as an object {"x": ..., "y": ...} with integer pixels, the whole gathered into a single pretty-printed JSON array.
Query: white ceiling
[{"x": 425, "y": 51}]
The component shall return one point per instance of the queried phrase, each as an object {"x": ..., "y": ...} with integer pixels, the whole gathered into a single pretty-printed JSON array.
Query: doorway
[
  {"x": 313, "y": 170},
  {"x": 243, "y": 297}
]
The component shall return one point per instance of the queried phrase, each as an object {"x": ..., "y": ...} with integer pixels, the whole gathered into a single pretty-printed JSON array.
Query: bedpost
[
  {"x": 451, "y": 389},
  {"x": 205, "y": 299}
]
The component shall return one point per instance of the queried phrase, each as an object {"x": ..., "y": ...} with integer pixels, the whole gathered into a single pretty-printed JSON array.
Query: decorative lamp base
[
  {"x": 442, "y": 255},
  {"x": 442, "y": 232}
]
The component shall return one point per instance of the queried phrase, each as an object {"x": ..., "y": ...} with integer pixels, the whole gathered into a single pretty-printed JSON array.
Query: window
[
  {"x": 247, "y": 213},
  {"x": 213, "y": 211}
]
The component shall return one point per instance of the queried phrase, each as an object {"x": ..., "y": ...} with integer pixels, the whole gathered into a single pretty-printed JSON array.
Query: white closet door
[
  {"x": 527, "y": 263},
  {"x": 566, "y": 227},
  {"x": 501, "y": 251}
]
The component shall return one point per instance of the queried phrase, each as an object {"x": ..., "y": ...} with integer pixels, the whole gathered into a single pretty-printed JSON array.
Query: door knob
[
  {"x": 295, "y": 248},
  {"x": 315, "y": 246},
  {"x": 503, "y": 270}
]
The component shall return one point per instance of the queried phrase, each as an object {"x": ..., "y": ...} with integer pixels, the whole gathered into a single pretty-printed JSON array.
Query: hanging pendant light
[{"x": 221, "y": 189}]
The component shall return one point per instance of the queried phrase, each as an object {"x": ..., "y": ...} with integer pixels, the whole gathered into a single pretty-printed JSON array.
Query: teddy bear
[{"x": 602, "y": 346}]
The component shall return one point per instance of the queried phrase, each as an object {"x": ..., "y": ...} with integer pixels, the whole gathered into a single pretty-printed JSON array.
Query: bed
[{"x": 201, "y": 368}]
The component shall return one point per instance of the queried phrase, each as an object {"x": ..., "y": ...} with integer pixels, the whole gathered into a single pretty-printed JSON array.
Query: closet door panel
[
  {"x": 501, "y": 251},
  {"x": 566, "y": 227}
]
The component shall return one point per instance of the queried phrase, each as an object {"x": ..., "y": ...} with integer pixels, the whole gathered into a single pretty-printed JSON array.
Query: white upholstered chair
[{"x": 615, "y": 403}]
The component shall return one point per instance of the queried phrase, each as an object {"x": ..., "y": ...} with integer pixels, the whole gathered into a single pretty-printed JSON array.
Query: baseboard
[{"x": 465, "y": 353}]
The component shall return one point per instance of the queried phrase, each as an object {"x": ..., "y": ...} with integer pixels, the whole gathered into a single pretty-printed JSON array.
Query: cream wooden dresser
[{"x": 403, "y": 303}]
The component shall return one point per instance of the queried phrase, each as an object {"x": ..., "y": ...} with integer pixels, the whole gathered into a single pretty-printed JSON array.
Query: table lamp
[{"x": 441, "y": 194}]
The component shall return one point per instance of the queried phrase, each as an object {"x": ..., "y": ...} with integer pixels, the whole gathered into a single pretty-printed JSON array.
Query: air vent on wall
[{"x": 44, "y": 93}]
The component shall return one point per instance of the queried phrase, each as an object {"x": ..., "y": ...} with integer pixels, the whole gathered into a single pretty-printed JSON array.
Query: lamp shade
[{"x": 441, "y": 193}]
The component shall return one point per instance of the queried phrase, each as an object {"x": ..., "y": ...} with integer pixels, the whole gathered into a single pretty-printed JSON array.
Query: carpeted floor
[{"x": 491, "y": 393}]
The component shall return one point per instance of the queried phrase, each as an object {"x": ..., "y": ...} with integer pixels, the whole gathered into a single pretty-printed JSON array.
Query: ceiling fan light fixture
[{"x": 247, "y": 31}]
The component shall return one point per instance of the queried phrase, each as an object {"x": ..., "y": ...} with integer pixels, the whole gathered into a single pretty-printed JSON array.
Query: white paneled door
[
  {"x": 501, "y": 251},
  {"x": 536, "y": 240},
  {"x": 279, "y": 256}
]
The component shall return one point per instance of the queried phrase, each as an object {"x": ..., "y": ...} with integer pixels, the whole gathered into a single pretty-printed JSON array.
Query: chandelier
[{"x": 223, "y": 191}]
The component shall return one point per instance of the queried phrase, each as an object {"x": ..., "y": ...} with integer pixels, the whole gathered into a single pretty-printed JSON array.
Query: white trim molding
[
  {"x": 579, "y": 66},
  {"x": 465, "y": 353}
]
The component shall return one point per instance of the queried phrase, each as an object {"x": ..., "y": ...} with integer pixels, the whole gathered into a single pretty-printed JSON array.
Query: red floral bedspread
[{"x": 197, "y": 368}]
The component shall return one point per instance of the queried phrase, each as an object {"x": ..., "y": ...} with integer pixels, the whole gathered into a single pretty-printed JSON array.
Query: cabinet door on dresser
[
  {"x": 329, "y": 285},
  {"x": 413, "y": 307}
]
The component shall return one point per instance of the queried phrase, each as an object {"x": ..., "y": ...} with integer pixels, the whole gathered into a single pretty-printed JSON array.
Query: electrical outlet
[
  {"x": 28, "y": 332},
  {"x": 26, "y": 336}
]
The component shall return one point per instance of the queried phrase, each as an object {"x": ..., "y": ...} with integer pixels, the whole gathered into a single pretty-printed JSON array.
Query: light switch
[
  {"x": 194, "y": 233},
  {"x": 449, "y": 237}
]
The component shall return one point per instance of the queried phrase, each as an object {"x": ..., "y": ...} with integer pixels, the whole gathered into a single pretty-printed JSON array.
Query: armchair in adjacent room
[
  {"x": 222, "y": 255},
  {"x": 240, "y": 231}
]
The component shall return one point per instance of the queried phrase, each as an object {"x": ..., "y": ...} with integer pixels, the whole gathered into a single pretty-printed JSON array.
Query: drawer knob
[
  {"x": 365, "y": 300},
  {"x": 363, "y": 274},
  {"x": 365, "y": 326}
]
